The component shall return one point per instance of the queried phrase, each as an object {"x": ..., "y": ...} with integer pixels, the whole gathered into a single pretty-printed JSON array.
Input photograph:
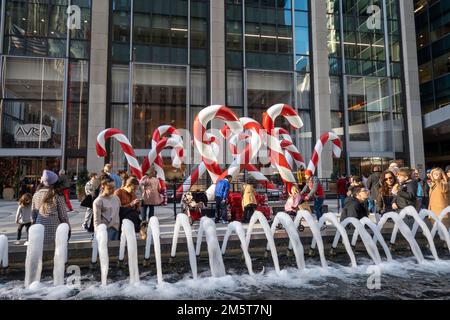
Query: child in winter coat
[{"x": 23, "y": 216}]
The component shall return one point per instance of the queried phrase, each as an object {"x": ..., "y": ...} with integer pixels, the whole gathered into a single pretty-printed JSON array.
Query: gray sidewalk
[{"x": 165, "y": 215}]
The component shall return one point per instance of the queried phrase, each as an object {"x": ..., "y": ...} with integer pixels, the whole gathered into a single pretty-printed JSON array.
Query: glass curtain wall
[
  {"x": 267, "y": 60},
  {"x": 433, "y": 44},
  {"x": 159, "y": 68},
  {"x": 45, "y": 71},
  {"x": 365, "y": 77}
]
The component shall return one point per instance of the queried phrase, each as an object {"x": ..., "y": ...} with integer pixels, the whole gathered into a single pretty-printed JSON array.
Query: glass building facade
[
  {"x": 268, "y": 60},
  {"x": 70, "y": 68},
  {"x": 433, "y": 55},
  {"x": 44, "y": 88},
  {"x": 367, "y": 103},
  {"x": 159, "y": 67}
]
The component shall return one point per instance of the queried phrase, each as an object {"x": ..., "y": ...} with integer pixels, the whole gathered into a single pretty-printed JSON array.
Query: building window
[{"x": 32, "y": 100}]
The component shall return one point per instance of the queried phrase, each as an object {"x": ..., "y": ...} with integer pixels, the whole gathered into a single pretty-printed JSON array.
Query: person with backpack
[
  {"x": 373, "y": 184},
  {"x": 92, "y": 190}
]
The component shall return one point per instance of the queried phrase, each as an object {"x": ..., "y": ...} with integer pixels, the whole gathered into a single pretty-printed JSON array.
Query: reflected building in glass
[
  {"x": 433, "y": 45},
  {"x": 346, "y": 66}
]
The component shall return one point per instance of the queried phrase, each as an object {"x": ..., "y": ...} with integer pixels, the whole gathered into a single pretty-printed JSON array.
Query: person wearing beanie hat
[
  {"x": 49, "y": 207},
  {"x": 49, "y": 178}
]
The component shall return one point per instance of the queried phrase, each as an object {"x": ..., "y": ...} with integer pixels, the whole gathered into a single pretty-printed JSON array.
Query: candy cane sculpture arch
[
  {"x": 125, "y": 144},
  {"x": 324, "y": 138},
  {"x": 203, "y": 142},
  {"x": 276, "y": 152}
]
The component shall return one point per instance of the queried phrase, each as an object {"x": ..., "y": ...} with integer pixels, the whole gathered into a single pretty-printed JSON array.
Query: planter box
[{"x": 8, "y": 194}]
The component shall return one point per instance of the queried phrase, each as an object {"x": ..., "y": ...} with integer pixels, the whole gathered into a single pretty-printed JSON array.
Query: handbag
[{"x": 87, "y": 202}]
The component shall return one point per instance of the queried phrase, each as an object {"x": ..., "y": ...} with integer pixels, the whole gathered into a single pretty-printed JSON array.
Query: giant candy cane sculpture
[
  {"x": 276, "y": 153},
  {"x": 203, "y": 142},
  {"x": 243, "y": 160},
  {"x": 337, "y": 149},
  {"x": 291, "y": 150},
  {"x": 124, "y": 144},
  {"x": 154, "y": 157}
]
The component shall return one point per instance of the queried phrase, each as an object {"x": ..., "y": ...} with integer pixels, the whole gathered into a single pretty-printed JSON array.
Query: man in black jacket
[
  {"x": 356, "y": 205},
  {"x": 405, "y": 193}
]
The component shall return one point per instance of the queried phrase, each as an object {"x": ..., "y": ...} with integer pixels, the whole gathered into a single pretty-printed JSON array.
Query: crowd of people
[
  {"x": 393, "y": 190},
  {"x": 112, "y": 197}
]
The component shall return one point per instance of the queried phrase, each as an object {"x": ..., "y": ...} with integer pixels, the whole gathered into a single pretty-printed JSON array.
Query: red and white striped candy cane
[
  {"x": 154, "y": 157},
  {"x": 242, "y": 161},
  {"x": 276, "y": 152},
  {"x": 125, "y": 144},
  {"x": 287, "y": 144},
  {"x": 201, "y": 168},
  {"x": 158, "y": 134},
  {"x": 203, "y": 141},
  {"x": 192, "y": 179},
  {"x": 337, "y": 149}
]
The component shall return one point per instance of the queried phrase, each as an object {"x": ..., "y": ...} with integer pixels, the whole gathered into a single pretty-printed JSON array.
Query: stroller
[{"x": 191, "y": 208}]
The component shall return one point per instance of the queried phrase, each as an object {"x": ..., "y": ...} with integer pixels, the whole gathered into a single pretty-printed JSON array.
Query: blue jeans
[
  {"x": 144, "y": 212},
  {"x": 221, "y": 209},
  {"x": 342, "y": 198},
  {"x": 318, "y": 202},
  {"x": 371, "y": 204},
  {"x": 113, "y": 234}
]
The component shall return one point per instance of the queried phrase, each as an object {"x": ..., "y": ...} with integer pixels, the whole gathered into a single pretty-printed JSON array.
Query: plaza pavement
[{"x": 165, "y": 215}]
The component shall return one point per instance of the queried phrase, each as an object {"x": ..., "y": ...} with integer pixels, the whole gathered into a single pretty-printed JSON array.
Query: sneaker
[
  {"x": 84, "y": 226},
  {"x": 301, "y": 228},
  {"x": 25, "y": 243},
  {"x": 323, "y": 227},
  {"x": 17, "y": 242},
  {"x": 224, "y": 222}
]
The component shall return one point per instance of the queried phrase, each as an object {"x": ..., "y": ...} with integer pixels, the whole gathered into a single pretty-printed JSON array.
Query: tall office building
[
  {"x": 433, "y": 44},
  {"x": 344, "y": 65}
]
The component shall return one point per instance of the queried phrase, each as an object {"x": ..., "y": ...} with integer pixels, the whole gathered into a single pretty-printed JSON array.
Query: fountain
[
  {"x": 406, "y": 232},
  {"x": 208, "y": 227},
  {"x": 369, "y": 244},
  {"x": 377, "y": 235},
  {"x": 128, "y": 238},
  {"x": 33, "y": 261},
  {"x": 60, "y": 259},
  {"x": 294, "y": 238},
  {"x": 237, "y": 227},
  {"x": 438, "y": 226},
  {"x": 183, "y": 221},
  {"x": 258, "y": 216},
  {"x": 101, "y": 244},
  {"x": 4, "y": 251},
  {"x": 339, "y": 228},
  {"x": 314, "y": 230},
  {"x": 410, "y": 211},
  {"x": 153, "y": 232}
]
